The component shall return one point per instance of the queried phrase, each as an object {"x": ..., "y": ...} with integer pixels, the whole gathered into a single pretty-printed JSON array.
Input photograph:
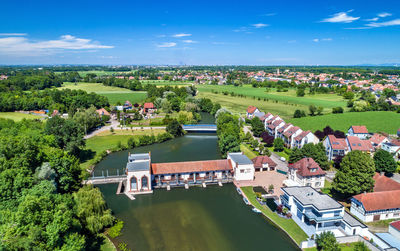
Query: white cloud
[
  {"x": 326, "y": 39},
  {"x": 166, "y": 45},
  {"x": 384, "y": 24},
  {"x": 182, "y": 35},
  {"x": 316, "y": 40},
  {"x": 340, "y": 17},
  {"x": 384, "y": 14},
  {"x": 24, "y": 46},
  {"x": 189, "y": 41},
  {"x": 268, "y": 15},
  {"x": 372, "y": 19},
  {"x": 321, "y": 39},
  {"x": 241, "y": 29},
  {"x": 13, "y": 34},
  {"x": 260, "y": 25}
]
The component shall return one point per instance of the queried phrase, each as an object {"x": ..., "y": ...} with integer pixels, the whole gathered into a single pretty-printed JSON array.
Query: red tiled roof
[
  {"x": 102, "y": 112},
  {"x": 383, "y": 183},
  {"x": 377, "y": 138},
  {"x": 360, "y": 129},
  {"x": 304, "y": 167},
  {"x": 302, "y": 135},
  {"x": 283, "y": 128},
  {"x": 291, "y": 131},
  {"x": 395, "y": 142},
  {"x": 356, "y": 143},
  {"x": 191, "y": 166},
  {"x": 148, "y": 106},
  {"x": 260, "y": 160},
  {"x": 396, "y": 224},
  {"x": 251, "y": 109},
  {"x": 337, "y": 143},
  {"x": 379, "y": 200}
]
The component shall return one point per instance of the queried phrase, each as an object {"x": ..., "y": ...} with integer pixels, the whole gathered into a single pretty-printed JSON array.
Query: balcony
[{"x": 310, "y": 215}]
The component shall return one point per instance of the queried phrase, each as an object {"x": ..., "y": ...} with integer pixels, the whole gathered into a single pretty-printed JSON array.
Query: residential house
[
  {"x": 377, "y": 140},
  {"x": 55, "y": 113},
  {"x": 290, "y": 134},
  {"x": 127, "y": 105},
  {"x": 280, "y": 131},
  {"x": 335, "y": 147},
  {"x": 315, "y": 212},
  {"x": 149, "y": 107},
  {"x": 242, "y": 166},
  {"x": 250, "y": 111},
  {"x": 271, "y": 120},
  {"x": 265, "y": 118},
  {"x": 102, "y": 112},
  {"x": 360, "y": 131},
  {"x": 305, "y": 137},
  {"x": 272, "y": 128},
  {"x": 354, "y": 143},
  {"x": 259, "y": 115},
  {"x": 307, "y": 172},
  {"x": 263, "y": 163},
  {"x": 392, "y": 147}
]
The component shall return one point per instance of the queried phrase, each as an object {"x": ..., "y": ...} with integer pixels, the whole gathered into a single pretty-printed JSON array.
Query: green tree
[
  {"x": 300, "y": 92},
  {"x": 278, "y": 145},
  {"x": 361, "y": 246},
  {"x": 257, "y": 126},
  {"x": 326, "y": 241},
  {"x": 384, "y": 162},
  {"x": 295, "y": 155},
  {"x": 317, "y": 153},
  {"x": 299, "y": 114},
  {"x": 355, "y": 174},
  {"x": 312, "y": 109},
  {"x": 174, "y": 128},
  {"x": 228, "y": 143}
]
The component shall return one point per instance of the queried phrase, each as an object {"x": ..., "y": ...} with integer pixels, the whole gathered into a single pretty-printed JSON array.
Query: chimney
[{"x": 381, "y": 173}]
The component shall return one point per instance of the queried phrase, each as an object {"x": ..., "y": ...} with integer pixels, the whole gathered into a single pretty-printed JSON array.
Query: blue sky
[{"x": 200, "y": 32}]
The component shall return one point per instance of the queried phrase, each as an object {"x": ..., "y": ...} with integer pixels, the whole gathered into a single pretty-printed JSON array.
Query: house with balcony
[
  {"x": 335, "y": 147},
  {"x": 250, "y": 111},
  {"x": 305, "y": 137},
  {"x": 272, "y": 128},
  {"x": 283, "y": 129},
  {"x": 354, "y": 143},
  {"x": 392, "y": 147},
  {"x": 266, "y": 117},
  {"x": 271, "y": 120},
  {"x": 307, "y": 172},
  {"x": 359, "y": 131},
  {"x": 315, "y": 212},
  {"x": 290, "y": 134},
  {"x": 377, "y": 140}
]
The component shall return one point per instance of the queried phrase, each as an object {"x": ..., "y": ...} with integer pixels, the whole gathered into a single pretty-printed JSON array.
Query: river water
[{"x": 212, "y": 218}]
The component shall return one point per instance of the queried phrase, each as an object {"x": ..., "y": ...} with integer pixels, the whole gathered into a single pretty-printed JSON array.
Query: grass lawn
[
  {"x": 107, "y": 245},
  {"x": 324, "y": 100},
  {"x": 287, "y": 224},
  {"x": 281, "y": 154},
  {"x": 380, "y": 121},
  {"x": 17, "y": 116},
  {"x": 245, "y": 149},
  {"x": 114, "y": 94},
  {"x": 239, "y": 105},
  {"x": 107, "y": 140}
]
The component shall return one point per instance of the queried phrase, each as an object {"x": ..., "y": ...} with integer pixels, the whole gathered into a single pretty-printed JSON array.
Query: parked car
[{"x": 283, "y": 159}]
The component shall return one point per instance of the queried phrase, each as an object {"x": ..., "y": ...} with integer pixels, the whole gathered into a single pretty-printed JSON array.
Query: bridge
[{"x": 200, "y": 128}]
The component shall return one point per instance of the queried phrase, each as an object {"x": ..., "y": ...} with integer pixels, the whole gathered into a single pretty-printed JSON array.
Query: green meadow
[
  {"x": 165, "y": 82},
  {"x": 327, "y": 101},
  {"x": 17, "y": 116},
  {"x": 114, "y": 94},
  {"x": 380, "y": 121}
]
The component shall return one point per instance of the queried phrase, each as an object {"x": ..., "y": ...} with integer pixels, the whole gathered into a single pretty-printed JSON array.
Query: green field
[
  {"x": 239, "y": 105},
  {"x": 327, "y": 101},
  {"x": 114, "y": 94},
  {"x": 381, "y": 121},
  {"x": 17, "y": 116},
  {"x": 99, "y": 73}
]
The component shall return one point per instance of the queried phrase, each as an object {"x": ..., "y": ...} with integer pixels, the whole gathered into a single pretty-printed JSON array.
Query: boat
[
  {"x": 239, "y": 191},
  {"x": 256, "y": 210},
  {"x": 246, "y": 201}
]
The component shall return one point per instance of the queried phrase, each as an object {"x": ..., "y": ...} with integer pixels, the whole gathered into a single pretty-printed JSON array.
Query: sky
[{"x": 200, "y": 32}]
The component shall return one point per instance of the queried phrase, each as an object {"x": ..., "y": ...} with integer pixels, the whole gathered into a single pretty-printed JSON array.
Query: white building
[
  {"x": 306, "y": 172},
  {"x": 138, "y": 174},
  {"x": 243, "y": 167},
  {"x": 305, "y": 138},
  {"x": 359, "y": 131}
]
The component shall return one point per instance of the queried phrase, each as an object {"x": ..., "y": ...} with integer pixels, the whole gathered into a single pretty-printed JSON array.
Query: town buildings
[{"x": 306, "y": 172}]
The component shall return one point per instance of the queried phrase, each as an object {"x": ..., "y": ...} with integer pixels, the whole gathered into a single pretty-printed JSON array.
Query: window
[{"x": 241, "y": 170}]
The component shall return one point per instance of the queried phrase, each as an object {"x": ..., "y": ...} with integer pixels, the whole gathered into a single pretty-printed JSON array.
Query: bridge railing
[{"x": 105, "y": 174}]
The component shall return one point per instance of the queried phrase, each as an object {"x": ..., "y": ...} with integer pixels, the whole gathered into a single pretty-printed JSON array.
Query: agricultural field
[
  {"x": 114, "y": 94},
  {"x": 380, "y": 121},
  {"x": 99, "y": 73},
  {"x": 165, "y": 82},
  {"x": 17, "y": 116},
  {"x": 239, "y": 105},
  {"x": 327, "y": 101}
]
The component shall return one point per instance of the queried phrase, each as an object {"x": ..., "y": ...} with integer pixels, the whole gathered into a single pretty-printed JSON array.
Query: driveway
[{"x": 265, "y": 179}]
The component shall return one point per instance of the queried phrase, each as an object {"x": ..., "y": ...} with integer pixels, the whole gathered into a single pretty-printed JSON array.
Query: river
[{"x": 212, "y": 218}]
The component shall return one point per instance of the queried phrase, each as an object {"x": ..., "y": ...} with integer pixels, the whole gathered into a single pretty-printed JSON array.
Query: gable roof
[
  {"x": 377, "y": 138},
  {"x": 383, "y": 183},
  {"x": 260, "y": 160},
  {"x": 251, "y": 109},
  {"x": 304, "y": 167},
  {"x": 302, "y": 135},
  {"x": 148, "y": 105},
  {"x": 102, "y": 112},
  {"x": 283, "y": 128},
  {"x": 291, "y": 131},
  {"x": 379, "y": 200},
  {"x": 337, "y": 143},
  {"x": 359, "y": 129},
  {"x": 396, "y": 225},
  {"x": 355, "y": 143},
  {"x": 191, "y": 166}
]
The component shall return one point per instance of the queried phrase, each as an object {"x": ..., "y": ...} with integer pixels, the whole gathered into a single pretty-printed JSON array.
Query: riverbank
[{"x": 287, "y": 225}]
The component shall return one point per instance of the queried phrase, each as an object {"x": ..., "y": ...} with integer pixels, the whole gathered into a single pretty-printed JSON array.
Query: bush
[
  {"x": 337, "y": 109},
  {"x": 115, "y": 230},
  {"x": 299, "y": 114}
]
